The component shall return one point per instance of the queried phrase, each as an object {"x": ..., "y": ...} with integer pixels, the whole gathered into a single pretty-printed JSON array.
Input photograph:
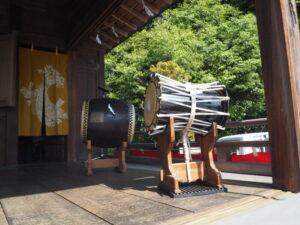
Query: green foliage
[
  {"x": 172, "y": 70},
  {"x": 298, "y": 9},
  {"x": 249, "y": 5},
  {"x": 207, "y": 40},
  {"x": 127, "y": 66},
  {"x": 244, "y": 5}
]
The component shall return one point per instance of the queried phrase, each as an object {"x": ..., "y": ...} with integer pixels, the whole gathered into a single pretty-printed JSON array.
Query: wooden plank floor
[{"x": 63, "y": 194}]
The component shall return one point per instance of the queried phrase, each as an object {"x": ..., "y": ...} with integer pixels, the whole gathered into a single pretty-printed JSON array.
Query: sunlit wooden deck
[{"x": 63, "y": 194}]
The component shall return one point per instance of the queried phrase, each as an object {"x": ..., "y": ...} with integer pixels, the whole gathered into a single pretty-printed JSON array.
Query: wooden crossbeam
[
  {"x": 118, "y": 30},
  {"x": 168, "y": 1},
  {"x": 135, "y": 13},
  {"x": 104, "y": 44},
  {"x": 126, "y": 22},
  {"x": 104, "y": 34},
  {"x": 243, "y": 144},
  {"x": 244, "y": 123},
  {"x": 152, "y": 7}
]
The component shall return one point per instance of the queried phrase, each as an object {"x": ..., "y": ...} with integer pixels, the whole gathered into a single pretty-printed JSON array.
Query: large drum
[
  {"x": 107, "y": 122},
  {"x": 194, "y": 107}
]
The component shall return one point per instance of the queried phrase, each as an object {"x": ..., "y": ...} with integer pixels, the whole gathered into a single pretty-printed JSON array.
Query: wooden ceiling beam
[
  {"x": 168, "y": 1},
  {"x": 86, "y": 26},
  {"x": 104, "y": 34},
  {"x": 96, "y": 17},
  {"x": 118, "y": 30},
  {"x": 135, "y": 13},
  {"x": 126, "y": 22},
  {"x": 103, "y": 44},
  {"x": 152, "y": 7},
  {"x": 107, "y": 46}
]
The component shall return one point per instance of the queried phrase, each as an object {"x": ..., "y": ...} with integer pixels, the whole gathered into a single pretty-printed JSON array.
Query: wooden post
[
  {"x": 280, "y": 50},
  {"x": 211, "y": 174},
  {"x": 85, "y": 63},
  {"x": 89, "y": 157},
  {"x": 165, "y": 143},
  {"x": 121, "y": 156},
  {"x": 224, "y": 154}
]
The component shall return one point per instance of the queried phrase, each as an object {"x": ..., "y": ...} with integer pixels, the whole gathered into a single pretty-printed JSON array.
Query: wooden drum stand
[
  {"x": 119, "y": 162},
  {"x": 172, "y": 174}
]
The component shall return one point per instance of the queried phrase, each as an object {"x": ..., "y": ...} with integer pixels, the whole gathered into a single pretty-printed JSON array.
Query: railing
[
  {"x": 223, "y": 150},
  {"x": 247, "y": 123}
]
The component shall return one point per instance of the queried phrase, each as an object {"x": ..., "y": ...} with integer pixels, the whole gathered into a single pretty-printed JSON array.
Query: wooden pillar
[
  {"x": 86, "y": 74},
  {"x": 279, "y": 42},
  {"x": 8, "y": 101}
]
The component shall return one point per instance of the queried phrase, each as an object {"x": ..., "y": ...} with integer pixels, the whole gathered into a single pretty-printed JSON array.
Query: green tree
[
  {"x": 249, "y": 5},
  {"x": 172, "y": 70},
  {"x": 243, "y": 5},
  {"x": 208, "y": 40}
]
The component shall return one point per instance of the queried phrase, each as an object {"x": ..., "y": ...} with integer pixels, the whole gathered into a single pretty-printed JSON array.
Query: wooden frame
[
  {"x": 173, "y": 173},
  {"x": 118, "y": 163}
]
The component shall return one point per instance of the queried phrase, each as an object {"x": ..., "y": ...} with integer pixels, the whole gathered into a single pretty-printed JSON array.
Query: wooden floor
[{"x": 63, "y": 194}]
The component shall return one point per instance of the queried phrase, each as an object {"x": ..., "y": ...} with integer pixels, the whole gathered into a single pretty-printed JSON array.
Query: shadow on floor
[
  {"x": 32, "y": 179},
  {"x": 36, "y": 178},
  {"x": 62, "y": 193}
]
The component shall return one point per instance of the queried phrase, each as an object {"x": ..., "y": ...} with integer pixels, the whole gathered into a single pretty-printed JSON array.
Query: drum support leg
[
  {"x": 118, "y": 163},
  {"x": 122, "y": 168},
  {"x": 172, "y": 175},
  {"x": 166, "y": 141},
  {"x": 211, "y": 174},
  {"x": 89, "y": 158}
]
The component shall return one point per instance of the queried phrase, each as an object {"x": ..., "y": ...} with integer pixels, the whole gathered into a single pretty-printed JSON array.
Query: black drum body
[
  {"x": 194, "y": 107},
  {"x": 107, "y": 122}
]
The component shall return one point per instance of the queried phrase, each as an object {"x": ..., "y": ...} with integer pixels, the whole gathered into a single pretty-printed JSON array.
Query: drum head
[
  {"x": 151, "y": 104},
  {"x": 84, "y": 120}
]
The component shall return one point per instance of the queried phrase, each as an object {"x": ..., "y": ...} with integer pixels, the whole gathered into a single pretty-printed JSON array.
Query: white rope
[
  {"x": 190, "y": 88},
  {"x": 164, "y": 78},
  {"x": 114, "y": 31},
  {"x": 213, "y": 89},
  {"x": 172, "y": 114},
  {"x": 176, "y": 103},
  {"x": 211, "y": 112},
  {"x": 188, "y": 95},
  {"x": 98, "y": 39},
  {"x": 215, "y": 97},
  {"x": 147, "y": 10},
  {"x": 179, "y": 98},
  {"x": 197, "y": 130},
  {"x": 175, "y": 89},
  {"x": 187, "y": 158},
  {"x": 213, "y": 100},
  {"x": 208, "y": 112}
]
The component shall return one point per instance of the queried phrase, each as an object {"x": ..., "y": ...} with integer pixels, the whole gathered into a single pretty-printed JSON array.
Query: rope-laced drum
[
  {"x": 194, "y": 108},
  {"x": 107, "y": 122}
]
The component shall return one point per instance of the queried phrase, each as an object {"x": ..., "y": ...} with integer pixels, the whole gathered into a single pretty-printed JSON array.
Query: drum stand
[
  {"x": 205, "y": 177},
  {"x": 119, "y": 162}
]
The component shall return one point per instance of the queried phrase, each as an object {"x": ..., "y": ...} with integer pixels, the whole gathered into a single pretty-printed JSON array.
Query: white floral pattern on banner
[{"x": 54, "y": 112}]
